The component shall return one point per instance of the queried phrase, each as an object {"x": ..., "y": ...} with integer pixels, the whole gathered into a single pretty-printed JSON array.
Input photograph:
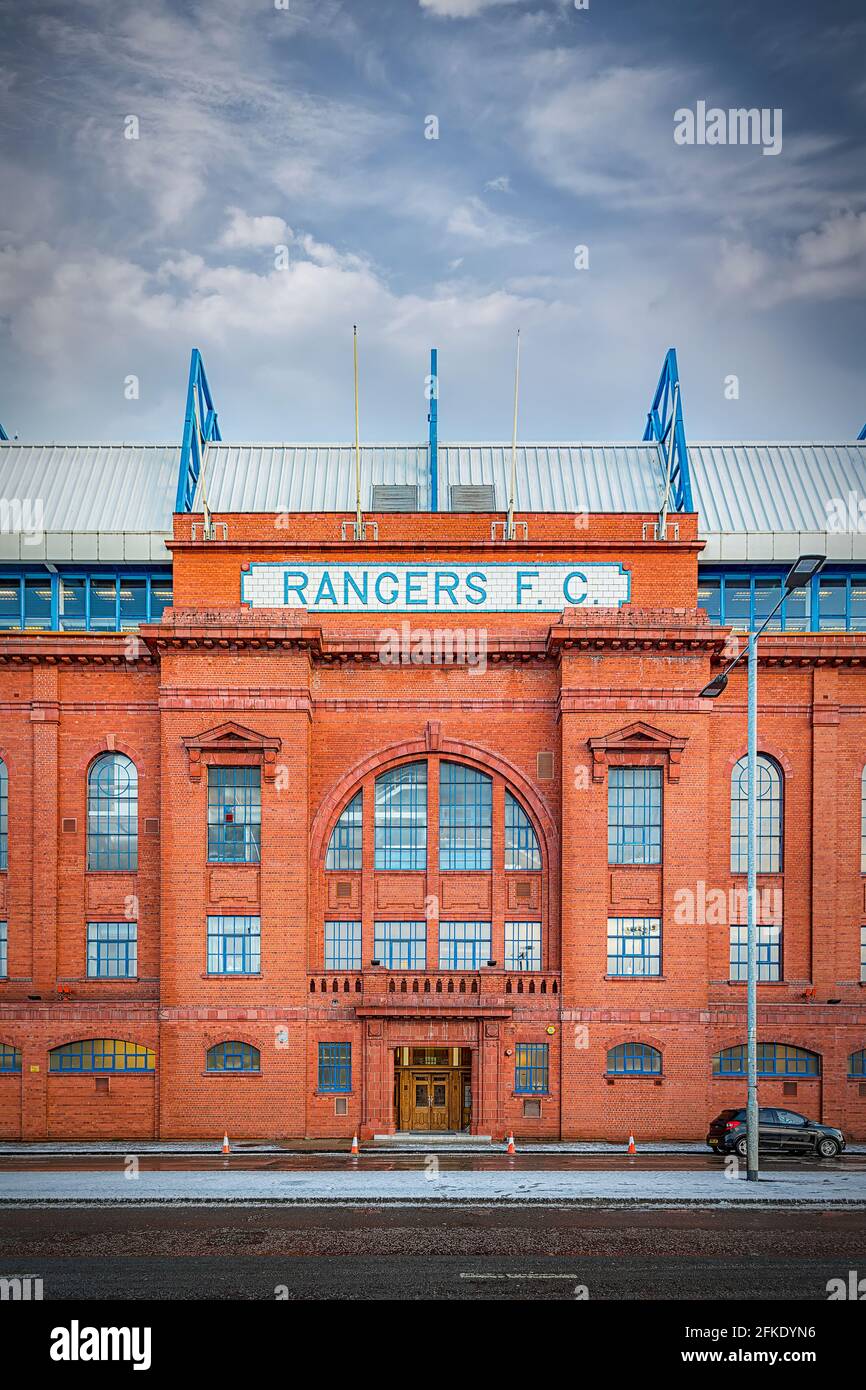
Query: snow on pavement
[{"x": 356, "y": 1185}]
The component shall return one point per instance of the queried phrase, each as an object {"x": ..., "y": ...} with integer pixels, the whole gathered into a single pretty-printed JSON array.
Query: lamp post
[{"x": 799, "y": 574}]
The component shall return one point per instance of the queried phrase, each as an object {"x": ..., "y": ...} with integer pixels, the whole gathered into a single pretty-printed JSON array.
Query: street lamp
[{"x": 799, "y": 574}]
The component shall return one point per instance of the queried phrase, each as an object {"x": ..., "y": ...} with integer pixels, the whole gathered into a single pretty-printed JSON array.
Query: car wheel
[
  {"x": 828, "y": 1148},
  {"x": 742, "y": 1147}
]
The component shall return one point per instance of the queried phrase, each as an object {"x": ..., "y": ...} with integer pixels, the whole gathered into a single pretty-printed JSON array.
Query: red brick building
[{"x": 424, "y": 830}]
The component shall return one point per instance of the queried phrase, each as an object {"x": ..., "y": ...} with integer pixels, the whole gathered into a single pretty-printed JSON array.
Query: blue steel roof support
[
  {"x": 433, "y": 430},
  {"x": 200, "y": 427},
  {"x": 666, "y": 414},
  {"x": 862, "y": 434},
  {"x": 4, "y": 435}
]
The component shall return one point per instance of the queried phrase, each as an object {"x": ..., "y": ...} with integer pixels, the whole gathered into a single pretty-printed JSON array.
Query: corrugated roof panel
[
  {"x": 94, "y": 487},
  {"x": 777, "y": 487},
  {"x": 307, "y": 477}
]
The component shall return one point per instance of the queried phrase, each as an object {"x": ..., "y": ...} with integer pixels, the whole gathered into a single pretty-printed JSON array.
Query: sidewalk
[
  {"x": 355, "y": 1186},
  {"x": 72, "y": 1148}
]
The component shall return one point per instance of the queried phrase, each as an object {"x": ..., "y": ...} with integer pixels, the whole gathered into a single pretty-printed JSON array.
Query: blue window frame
[
  {"x": 774, "y": 1059},
  {"x": 82, "y": 601},
  {"x": 769, "y": 952},
  {"x": 770, "y": 796},
  {"x": 834, "y": 601},
  {"x": 464, "y": 945},
  {"x": 863, "y": 954},
  {"x": 857, "y": 1063},
  {"x": 634, "y": 815},
  {"x": 342, "y": 945},
  {"x": 234, "y": 815},
  {"x": 112, "y": 950},
  {"x": 10, "y": 1058},
  {"x": 634, "y": 1059},
  {"x": 401, "y": 945},
  {"x": 521, "y": 843},
  {"x": 531, "y": 1068},
  {"x": 522, "y": 945},
  {"x": 4, "y": 815},
  {"x": 101, "y": 1054},
  {"x": 335, "y": 1067},
  {"x": 112, "y": 813},
  {"x": 634, "y": 946},
  {"x": 234, "y": 945},
  {"x": 465, "y": 818},
  {"x": 401, "y": 817},
  {"x": 345, "y": 847},
  {"x": 4, "y": 950},
  {"x": 233, "y": 1056}
]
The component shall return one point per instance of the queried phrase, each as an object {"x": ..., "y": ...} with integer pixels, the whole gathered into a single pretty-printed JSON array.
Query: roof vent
[
  {"x": 394, "y": 497},
  {"x": 473, "y": 497}
]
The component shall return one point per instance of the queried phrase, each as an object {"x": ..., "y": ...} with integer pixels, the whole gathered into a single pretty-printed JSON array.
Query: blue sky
[{"x": 304, "y": 127}]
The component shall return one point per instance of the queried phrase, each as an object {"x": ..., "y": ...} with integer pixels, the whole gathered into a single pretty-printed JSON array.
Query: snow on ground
[
  {"x": 355, "y": 1185},
  {"x": 252, "y": 1146}
]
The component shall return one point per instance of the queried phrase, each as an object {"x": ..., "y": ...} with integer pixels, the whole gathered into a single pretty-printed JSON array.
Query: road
[{"x": 414, "y": 1253}]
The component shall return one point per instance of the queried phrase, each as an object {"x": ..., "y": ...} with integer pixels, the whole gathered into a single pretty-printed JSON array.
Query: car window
[
  {"x": 767, "y": 1117},
  {"x": 788, "y": 1117}
]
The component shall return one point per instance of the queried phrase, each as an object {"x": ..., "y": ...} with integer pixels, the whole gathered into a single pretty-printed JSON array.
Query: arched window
[
  {"x": 862, "y": 821},
  {"x": 769, "y": 837},
  {"x": 344, "y": 849},
  {"x": 634, "y": 1059},
  {"x": 857, "y": 1064},
  {"x": 233, "y": 1056},
  {"x": 10, "y": 1058},
  {"x": 774, "y": 1059},
  {"x": 521, "y": 843},
  {"x": 101, "y": 1054},
  {"x": 112, "y": 813},
  {"x": 465, "y": 818},
  {"x": 4, "y": 816},
  {"x": 401, "y": 817}
]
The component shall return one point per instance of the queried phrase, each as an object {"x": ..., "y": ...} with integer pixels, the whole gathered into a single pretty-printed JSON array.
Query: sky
[{"x": 253, "y": 177}]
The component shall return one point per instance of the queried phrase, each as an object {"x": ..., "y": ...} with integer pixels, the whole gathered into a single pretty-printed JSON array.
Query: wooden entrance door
[{"x": 429, "y": 1099}]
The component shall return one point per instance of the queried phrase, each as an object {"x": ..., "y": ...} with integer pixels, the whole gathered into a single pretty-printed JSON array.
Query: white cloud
[
  {"x": 473, "y": 221},
  {"x": 501, "y": 184},
  {"x": 823, "y": 264},
  {"x": 244, "y": 231},
  {"x": 460, "y": 9}
]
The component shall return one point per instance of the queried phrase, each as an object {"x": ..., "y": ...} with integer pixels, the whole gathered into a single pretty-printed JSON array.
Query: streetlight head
[
  {"x": 802, "y": 571},
  {"x": 715, "y": 687}
]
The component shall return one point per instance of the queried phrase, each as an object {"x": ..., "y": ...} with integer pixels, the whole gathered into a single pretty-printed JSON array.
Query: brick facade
[{"x": 307, "y": 699}]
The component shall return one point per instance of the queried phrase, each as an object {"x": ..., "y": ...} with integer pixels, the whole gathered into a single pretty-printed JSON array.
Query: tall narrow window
[
  {"x": 4, "y": 815},
  {"x": 4, "y": 948},
  {"x": 234, "y": 815},
  {"x": 862, "y": 821},
  {"x": 769, "y": 952},
  {"x": 531, "y": 1068},
  {"x": 112, "y": 950},
  {"x": 769, "y": 802},
  {"x": 857, "y": 1064},
  {"x": 634, "y": 945},
  {"x": 634, "y": 815},
  {"x": 522, "y": 945},
  {"x": 335, "y": 1067},
  {"x": 400, "y": 945},
  {"x": 401, "y": 818},
  {"x": 465, "y": 818},
  {"x": 521, "y": 842},
  {"x": 234, "y": 945},
  {"x": 112, "y": 813},
  {"x": 344, "y": 850},
  {"x": 342, "y": 945},
  {"x": 463, "y": 945}
]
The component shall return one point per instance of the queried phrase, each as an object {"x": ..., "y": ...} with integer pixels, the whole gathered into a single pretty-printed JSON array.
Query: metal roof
[
  {"x": 98, "y": 501},
  {"x": 756, "y": 501}
]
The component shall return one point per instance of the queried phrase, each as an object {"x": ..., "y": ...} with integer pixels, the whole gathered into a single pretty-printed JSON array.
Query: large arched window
[
  {"x": 521, "y": 843},
  {"x": 4, "y": 816},
  {"x": 345, "y": 846},
  {"x": 774, "y": 1059},
  {"x": 634, "y": 1059},
  {"x": 857, "y": 1064},
  {"x": 401, "y": 818},
  {"x": 769, "y": 837},
  {"x": 233, "y": 1056},
  {"x": 465, "y": 818},
  {"x": 112, "y": 813},
  {"x": 101, "y": 1054}
]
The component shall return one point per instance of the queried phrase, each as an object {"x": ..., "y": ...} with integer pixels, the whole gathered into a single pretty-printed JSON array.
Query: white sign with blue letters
[{"x": 500, "y": 587}]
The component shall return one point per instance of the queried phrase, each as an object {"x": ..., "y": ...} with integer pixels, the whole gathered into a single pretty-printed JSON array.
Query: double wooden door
[{"x": 434, "y": 1098}]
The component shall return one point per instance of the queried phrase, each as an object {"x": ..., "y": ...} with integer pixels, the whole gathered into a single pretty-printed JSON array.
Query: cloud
[
  {"x": 472, "y": 220},
  {"x": 501, "y": 184},
  {"x": 821, "y": 265},
  {"x": 244, "y": 231},
  {"x": 460, "y": 9}
]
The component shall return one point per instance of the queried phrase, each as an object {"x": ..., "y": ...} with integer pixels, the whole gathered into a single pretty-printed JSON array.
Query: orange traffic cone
[
  {"x": 355, "y": 1142},
  {"x": 227, "y": 1148},
  {"x": 511, "y": 1149},
  {"x": 631, "y": 1144}
]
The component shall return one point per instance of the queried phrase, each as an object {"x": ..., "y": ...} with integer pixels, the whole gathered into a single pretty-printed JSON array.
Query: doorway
[{"x": 433, "y": 1089}]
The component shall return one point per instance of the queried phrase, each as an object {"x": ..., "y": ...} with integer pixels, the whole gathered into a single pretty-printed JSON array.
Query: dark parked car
[{"x": 780, "y": 1131}]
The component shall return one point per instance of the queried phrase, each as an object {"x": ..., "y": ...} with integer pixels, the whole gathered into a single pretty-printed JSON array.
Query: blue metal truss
[
  {"x": 4, "y": 435},
  {"x": 433, "y": 431},
  {"x": 664, "y": 417},
  {"x": 200, "y": 427},
  {"x": 862, "y": 434}
]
